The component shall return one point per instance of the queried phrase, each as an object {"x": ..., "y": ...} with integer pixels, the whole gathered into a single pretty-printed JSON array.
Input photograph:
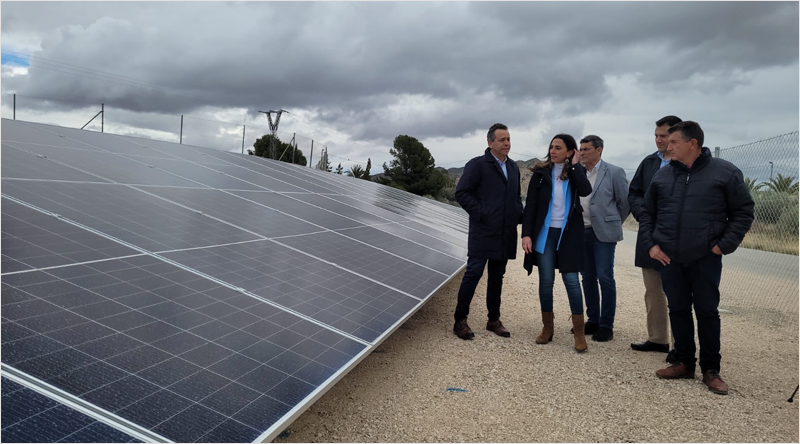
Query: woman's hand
[
  {"x": 576, "y": 158},
  {"x": 527, "y": 244}
]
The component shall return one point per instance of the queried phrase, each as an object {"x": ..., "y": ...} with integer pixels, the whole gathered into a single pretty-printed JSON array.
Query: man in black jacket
[
  {"x": 696, "y": 209},
  {"x": 655, "y": 301},
  {"x": 489, "y": 192}
]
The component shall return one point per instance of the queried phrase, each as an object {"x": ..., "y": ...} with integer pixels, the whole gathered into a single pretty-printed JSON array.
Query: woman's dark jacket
[
  {"x": 689, "y": 210},
  {"x": 641, "y": 180},
  {"x": 494, "y": 205},
  {"x": 569, "y": 257}
]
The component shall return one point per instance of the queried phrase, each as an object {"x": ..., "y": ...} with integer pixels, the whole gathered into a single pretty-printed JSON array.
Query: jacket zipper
[{"x": 680, "y": 211}]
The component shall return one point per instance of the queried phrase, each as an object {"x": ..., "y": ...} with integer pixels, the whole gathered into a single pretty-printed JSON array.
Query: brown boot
[
  {"x": 580, "y": 338},
  {"x": 547, "y": 328}
]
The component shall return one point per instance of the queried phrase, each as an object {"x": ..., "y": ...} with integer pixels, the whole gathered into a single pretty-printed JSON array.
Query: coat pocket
[{"x": 612, "y": 218}]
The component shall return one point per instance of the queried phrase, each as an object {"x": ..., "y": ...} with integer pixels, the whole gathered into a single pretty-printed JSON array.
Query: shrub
[
  {"x": 789, "y": 220},
  {"x": 770, "y": 205}
]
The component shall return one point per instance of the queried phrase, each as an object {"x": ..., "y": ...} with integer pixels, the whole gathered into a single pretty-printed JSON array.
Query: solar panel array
[{"x": 192, "y": 295}]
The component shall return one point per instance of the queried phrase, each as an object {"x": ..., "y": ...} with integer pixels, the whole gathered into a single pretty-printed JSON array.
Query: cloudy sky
[{"x": 354, "y": 75}]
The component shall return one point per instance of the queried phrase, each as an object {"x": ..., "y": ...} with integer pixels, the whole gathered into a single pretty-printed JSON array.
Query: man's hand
[
  {"x": 527, "y": 244},
  {"x": 716, "y": 250},
  {"x": 657, "y": 254}
]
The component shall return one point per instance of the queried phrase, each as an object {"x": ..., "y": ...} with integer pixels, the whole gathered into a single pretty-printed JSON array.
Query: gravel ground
[{"x": 519, "y": 391}]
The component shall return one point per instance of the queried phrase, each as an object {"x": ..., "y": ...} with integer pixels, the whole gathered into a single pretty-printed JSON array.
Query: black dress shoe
[
  {"x": 648, "y": 346},
  {"x": 603, "y": 334},
  {"x": 671, "y": 358},
  {"x": 462, "y": 330}
]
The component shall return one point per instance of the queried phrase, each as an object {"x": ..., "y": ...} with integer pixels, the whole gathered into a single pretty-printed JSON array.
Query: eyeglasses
[{"x": 583, "y": 150}]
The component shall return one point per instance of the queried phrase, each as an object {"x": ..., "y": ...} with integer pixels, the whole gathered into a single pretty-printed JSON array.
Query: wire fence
[
  {"x": 184, "y": 129},
  {"x": 770, "y": 248}
]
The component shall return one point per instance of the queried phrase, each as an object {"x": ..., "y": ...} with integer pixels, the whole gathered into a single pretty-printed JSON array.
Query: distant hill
[{"x": 524, "y": 170}]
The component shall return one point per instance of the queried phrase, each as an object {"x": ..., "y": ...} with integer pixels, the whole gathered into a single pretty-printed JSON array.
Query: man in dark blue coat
[
  {"x": 696, "y": 209},
  {"x": 489, "y": 192}
]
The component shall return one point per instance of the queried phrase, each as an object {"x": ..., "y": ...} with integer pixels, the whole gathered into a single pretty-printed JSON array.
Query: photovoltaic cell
[
  {"x": 329, "y": 204},
  {"x": 419, "y": 253},
  {"x": 298, "y": 208},
  {"x": 37, "y": 240},
  {"x": 127, "y": 214},
  {"x": 29, "y": 416},
  {"x": 39, "y": 135},
  {"x": 260, "y": 179},
  {"x": 394, "y": 271},
  {"x": 24, "y": 165},
  {"x": 273, "y": 169},
  {"x": 204, "y": 175},
  {"x": 433, "y": 241},
  {"x": 237, "y": 211},
  {"x": 171, "y": 354},
  {"x": 171, "y": 150},
  {"x": 323, "y": 292}
]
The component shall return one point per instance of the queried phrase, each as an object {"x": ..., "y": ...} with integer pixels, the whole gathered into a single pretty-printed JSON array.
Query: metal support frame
[
  {"x": 273, "y": 127},
  {"x": 181, "y": 137}
]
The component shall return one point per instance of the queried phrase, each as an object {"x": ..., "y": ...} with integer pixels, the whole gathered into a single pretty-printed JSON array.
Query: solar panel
[
  {"x": 29, "y": 416},
  {"x": 185, "y": 294}
]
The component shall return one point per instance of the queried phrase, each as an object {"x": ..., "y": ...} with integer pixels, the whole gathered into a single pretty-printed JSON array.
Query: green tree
[
  {"x": 360, "y": 172},
  {"x": 782, "y": 184},
  {"x": 752, "y": 185},
  {"x": 413, "y": 168},
  {"x": 339, "y": 169},
  {"x": 355, "y": 171},
  {"x": 366, "y": 174},
  {"x": 283, "y": 151}
]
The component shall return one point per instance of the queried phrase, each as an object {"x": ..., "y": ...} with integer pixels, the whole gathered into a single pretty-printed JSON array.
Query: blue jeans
[
  {"x": 547, "y": 277},
  {"x": 599, "y": 265}
]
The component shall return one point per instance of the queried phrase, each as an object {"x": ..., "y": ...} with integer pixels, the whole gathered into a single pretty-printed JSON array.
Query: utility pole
[
  {"x": 771, "y": 167},
  {"x": 273, "y": 127}
]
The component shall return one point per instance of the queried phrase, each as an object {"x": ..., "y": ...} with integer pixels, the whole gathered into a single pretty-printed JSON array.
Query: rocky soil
[{"x": 423, "y": 384}]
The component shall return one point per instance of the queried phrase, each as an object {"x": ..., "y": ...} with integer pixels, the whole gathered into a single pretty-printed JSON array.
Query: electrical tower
[{"x": 273, "y": 127}]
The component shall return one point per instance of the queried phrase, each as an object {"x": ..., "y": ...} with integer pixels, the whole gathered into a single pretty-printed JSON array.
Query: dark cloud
[{"x": 375, "y": 70}]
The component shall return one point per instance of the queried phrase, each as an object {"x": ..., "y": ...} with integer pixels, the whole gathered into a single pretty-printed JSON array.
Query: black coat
[
  {"x": 494, "y": 205},
  {"x": 689, "y": 210},
  {"x": 641, "y": 180},
  {"x": 540, "y": 191}
]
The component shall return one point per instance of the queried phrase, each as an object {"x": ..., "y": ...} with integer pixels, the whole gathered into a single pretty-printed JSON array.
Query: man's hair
[
  {"x": 596, "y": 141},
  {"x": 668, "y": 120},
  {"x": 496, "y": 126},
  {"x": 689, "y": 130}
]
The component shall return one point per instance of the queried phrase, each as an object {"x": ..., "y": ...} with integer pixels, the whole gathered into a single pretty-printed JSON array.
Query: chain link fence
[
  {"x": 190, "y": 130},
  {"x": 769, "y": 251}
]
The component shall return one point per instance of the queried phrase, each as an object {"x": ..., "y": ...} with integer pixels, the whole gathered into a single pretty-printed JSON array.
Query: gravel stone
[{"x": 520, "y": 391}]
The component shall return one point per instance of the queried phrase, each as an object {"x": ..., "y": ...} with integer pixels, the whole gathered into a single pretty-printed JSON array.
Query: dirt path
[{"x": 518, "y": 391}]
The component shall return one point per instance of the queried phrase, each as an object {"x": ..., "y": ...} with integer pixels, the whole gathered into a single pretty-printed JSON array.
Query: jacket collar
[
  {"x": 489, "y": 157},
  {"x": 704, "y": 158}
]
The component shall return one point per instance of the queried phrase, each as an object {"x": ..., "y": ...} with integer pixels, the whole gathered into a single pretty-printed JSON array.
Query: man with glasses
[{"x": 603, "y": 213}]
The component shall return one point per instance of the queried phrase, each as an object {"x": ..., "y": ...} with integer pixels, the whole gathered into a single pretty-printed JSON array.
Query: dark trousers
[
  {"x": 469, "y": 282},
  {"x": 695, "y": 284},
  {"x": 598, "y": 265}
]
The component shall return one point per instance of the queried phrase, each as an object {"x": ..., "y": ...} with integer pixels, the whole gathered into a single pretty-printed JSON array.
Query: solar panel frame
[{"x": 143, "y": 301}]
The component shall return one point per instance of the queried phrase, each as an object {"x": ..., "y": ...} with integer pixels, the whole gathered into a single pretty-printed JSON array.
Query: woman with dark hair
[{"x": 552, "y": 231}]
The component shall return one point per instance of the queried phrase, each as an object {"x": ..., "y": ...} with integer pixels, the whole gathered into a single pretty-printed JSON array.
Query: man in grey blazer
[{"x": 603, "y": 213}]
